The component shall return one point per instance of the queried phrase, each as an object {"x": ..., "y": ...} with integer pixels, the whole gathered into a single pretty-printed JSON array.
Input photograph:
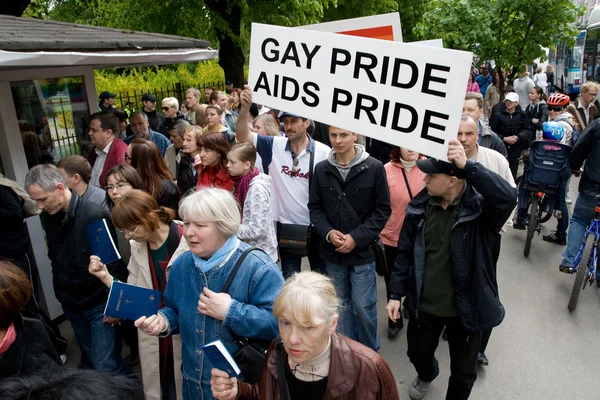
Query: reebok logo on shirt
[{"x": 294, "y": 174}]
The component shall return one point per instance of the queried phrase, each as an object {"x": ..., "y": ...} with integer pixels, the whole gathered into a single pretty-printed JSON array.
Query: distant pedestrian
[
  {"x": 155, "y": 119},
  {"x": 141, "y": 129},
  {"x": 472, "y": 86},
  {"x": 107, "y": 101}
]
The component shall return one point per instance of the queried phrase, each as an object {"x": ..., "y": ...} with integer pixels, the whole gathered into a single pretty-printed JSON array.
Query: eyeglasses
[
  {"x": 127, "y": 157},
  {"x": 130, "y": 233},
  {"x": 119, "y": 186},
  {"x": 554, "y": 108}
]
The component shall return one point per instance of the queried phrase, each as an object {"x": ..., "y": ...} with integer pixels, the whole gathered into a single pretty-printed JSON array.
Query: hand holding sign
[{"x": 456, "y": 154}]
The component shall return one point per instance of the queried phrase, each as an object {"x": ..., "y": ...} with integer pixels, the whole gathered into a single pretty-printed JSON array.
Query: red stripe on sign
[{"x": 380, "y": 32}]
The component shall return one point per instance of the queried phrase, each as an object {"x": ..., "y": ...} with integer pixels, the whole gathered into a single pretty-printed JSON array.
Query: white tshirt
[{"x": 290, "y": 183}]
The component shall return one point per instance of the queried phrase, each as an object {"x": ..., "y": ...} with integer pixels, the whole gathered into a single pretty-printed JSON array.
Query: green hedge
[{"x": 155, "y": 78}]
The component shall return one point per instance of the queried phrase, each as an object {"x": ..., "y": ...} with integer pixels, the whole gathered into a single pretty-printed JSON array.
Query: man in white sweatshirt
[{"x": 523, "y": 85}]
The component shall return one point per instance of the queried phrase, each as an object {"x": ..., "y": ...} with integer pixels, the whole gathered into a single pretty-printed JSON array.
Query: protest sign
[
  {"x": 383, "y": 26},
  {"x": 407, "y": 95}
]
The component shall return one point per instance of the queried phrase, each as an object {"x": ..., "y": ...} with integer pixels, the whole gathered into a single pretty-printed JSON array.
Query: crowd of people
[{"x": 190, "y": 191}]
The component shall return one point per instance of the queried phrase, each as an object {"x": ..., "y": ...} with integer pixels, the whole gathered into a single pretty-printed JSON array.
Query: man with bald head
[{"x": 141, "y": 129}]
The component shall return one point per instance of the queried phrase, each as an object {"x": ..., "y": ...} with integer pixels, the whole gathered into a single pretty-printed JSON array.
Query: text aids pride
[{"x": 407, "y": 95}]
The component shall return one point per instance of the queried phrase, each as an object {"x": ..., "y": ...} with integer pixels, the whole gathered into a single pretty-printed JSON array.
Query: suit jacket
[{"x": 115, "y": 156}]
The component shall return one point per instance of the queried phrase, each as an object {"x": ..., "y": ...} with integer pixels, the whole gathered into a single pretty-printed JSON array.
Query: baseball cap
[
  {"x": 511, "y": 97},
  {"x": 435, "y": 166},
  {"x": 107, "y": 95},
  {"x": 229, "y": 82},
  {"x": 149, "y": 97},
  {"x": 283, "y": 114}
]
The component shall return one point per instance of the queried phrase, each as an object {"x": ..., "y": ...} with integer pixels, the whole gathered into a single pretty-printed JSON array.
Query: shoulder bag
[
  {"x": 251, "y": 353},
  {"x": 294, "y": 239},
  {"x": 377, "y": 245}
]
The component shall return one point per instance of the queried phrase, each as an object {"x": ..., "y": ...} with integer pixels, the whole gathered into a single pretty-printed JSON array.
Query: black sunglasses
[
  {"x": 553, "y": 108},
  {"x": 166, "y": 108}
]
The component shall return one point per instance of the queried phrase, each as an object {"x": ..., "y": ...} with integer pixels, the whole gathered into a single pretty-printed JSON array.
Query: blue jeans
[
  {"x": 290, "y": 266},
  {"x": 356, "y": 287},
  {"x": 100, "y": 343},
  {"x": 583, "y": 213},
  {"x": 563, "y": 222}
]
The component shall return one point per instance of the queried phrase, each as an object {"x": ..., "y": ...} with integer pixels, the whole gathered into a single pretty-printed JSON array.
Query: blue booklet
[
  {"x": 131, "y": 302},
  {"x": 102, "y": 243},
  {"x": 220, "y": 358}
]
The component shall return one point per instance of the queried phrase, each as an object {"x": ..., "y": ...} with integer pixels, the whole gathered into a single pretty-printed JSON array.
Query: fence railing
[{"x": 176, "y": 90}]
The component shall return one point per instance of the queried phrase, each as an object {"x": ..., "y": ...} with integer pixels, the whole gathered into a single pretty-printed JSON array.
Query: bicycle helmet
[
  {"x": 553, "y": 131},
  {"x": 559, "y": 99}
]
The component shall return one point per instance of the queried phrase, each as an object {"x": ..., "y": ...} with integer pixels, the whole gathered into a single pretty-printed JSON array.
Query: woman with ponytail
[
  {"x": 252, "y": 190},
  {"x": 156, "y": 242}
]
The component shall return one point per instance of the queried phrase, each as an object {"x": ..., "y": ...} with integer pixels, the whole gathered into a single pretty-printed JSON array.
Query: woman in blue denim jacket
[{"x": 193, "y": 304}]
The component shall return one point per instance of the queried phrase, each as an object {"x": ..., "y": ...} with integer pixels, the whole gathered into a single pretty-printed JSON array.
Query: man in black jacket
[
  {"x": 445, "y": 267},
  {"x": 349, "y": 206},
  {"x": 155, "y": 119},
  {"x": 65, "y": 218},
  {"x": 511, "y": 124}
]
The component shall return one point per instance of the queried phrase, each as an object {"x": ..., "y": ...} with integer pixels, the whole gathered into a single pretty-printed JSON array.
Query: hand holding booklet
[
  {"x": 101, "y": 242},
  {"x": 131, "y": 302},
  {"x": 221, "y": 359}
]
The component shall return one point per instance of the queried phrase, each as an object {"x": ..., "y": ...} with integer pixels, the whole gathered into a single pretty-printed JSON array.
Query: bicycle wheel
[
  {"x": 545, "y": 217},
  {"x": 531, "y": 225},
  {"x": 582, "y": 271}
]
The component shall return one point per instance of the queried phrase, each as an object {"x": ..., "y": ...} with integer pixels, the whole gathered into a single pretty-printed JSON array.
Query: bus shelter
[{"x": 47, "y": 87}]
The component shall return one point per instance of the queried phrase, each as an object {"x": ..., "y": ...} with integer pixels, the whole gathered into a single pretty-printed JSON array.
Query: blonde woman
[{"x": 318, "y": 363}]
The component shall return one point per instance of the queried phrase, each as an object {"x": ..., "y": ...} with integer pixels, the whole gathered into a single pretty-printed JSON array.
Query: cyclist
[
  {"x": 553, "y": 132},
  {"x": 586, "y": 149},
  {"x": 557, "y": 105}
]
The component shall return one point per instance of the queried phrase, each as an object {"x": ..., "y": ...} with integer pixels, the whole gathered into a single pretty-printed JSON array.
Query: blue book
[
  {"x": 102, "y": 243},
  {"x": 131, "y": 302},
  {"x": 220, "y": 358}
]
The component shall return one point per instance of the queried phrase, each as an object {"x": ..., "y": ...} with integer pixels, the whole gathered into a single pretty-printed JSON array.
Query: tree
[{"x": 513, "y": 33}]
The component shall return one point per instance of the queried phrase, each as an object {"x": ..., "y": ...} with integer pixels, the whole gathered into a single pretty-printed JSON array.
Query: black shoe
[
  {"x": 519, "y": 226},
  {"x": 554, "y": 238},
  {"x": 445, "y": 335},
  {"x": 394, "y": 327},
  {"x": 567, "y": 269},
  {"x": 482, "y": 359}
]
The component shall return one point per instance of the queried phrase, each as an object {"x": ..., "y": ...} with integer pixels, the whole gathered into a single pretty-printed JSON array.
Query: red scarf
[
  {"x": 215, "y": 176},
  {"x": 242, "y": 183}
]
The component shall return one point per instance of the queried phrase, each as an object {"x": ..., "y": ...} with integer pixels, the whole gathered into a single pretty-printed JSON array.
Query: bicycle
[
  {"x": 584, "y": 266},
  {"x": 542, "y": 178}
]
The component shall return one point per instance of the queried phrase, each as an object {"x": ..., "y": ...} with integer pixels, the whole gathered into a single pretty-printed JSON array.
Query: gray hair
[
  {"x": 212, "y": 205},
  {"x": 468, "y": 117},
  {"x": 139, "y": 114},
  {"x": 180, "y": 125},
  {"x": 46, "y": 176}
]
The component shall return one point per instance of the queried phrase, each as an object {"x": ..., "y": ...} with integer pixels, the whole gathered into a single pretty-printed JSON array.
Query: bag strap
[
  {"x": 237, "y": 266},
  {"x": 283, "y": 393},
  {"x": 407, "y": 185},
  {"x": 311, "y": 164},
  {"x": 342, "y": 197}
]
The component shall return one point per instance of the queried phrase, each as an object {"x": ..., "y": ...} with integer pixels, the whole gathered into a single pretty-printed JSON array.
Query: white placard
[
  {"x": 390, "y": 91},
  {"x": 356, "y": 24}
]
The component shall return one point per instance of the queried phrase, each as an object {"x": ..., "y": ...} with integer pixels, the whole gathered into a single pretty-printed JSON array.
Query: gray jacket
[
  {"x": 96, "y": 195},
  {"x": 490, "y": 140}
]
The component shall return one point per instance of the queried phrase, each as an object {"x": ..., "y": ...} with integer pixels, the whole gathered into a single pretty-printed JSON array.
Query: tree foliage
[
  {"x": 513, "y": 33},
  {"x": 225, "y": 23}
]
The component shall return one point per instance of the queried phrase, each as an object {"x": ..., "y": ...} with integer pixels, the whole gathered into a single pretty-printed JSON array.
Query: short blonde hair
[
  {"x": 195, "y": 92},
  {"x": 171, "y": 102},
  {"x": 212, "y": 205},
  {"x": 586, "y": 87},
  {"x": 271, "y": 126},
  {"x": 308, "y": 298}
]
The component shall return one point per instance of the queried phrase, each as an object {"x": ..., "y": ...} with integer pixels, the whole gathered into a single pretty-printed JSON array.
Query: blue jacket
[
  {"x": 253, "y": 290},
  {"x": 158, "y": 138},
  {"x": 483, "y": 83}
]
